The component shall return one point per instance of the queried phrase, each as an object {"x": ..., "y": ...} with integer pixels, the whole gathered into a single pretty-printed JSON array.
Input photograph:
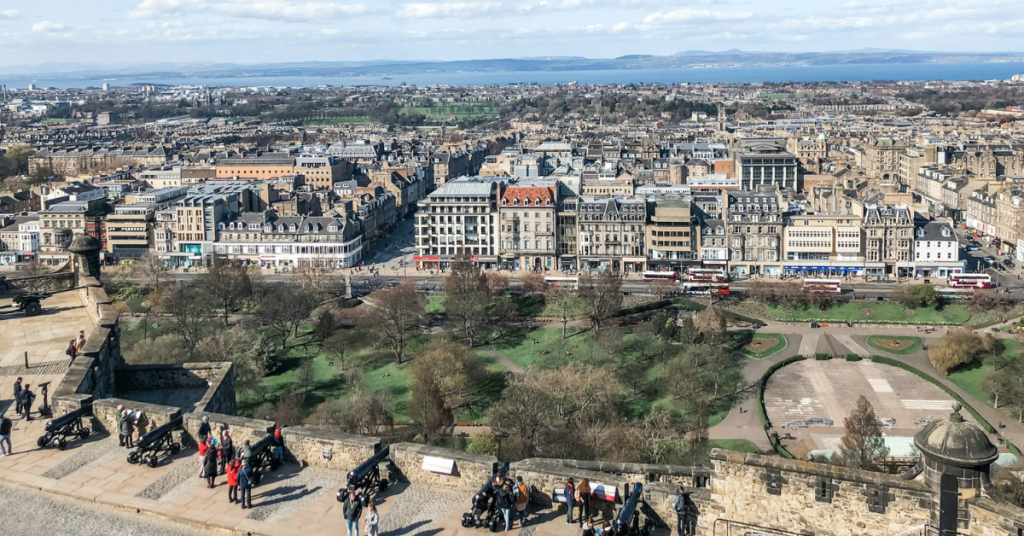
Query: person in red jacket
[
  {"x": 232, "y": 472},
  {"x": 203, "y": 447}
]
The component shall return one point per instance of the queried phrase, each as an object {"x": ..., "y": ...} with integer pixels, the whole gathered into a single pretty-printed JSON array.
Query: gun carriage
[
  {"x": 59, "y": 430},
  {"x": 155, "y": 443}
]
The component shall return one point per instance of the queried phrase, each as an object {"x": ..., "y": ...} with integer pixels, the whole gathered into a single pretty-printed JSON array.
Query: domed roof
[
  {"x": 955, "y": 441},
  {"x": 84, "y": 243}
]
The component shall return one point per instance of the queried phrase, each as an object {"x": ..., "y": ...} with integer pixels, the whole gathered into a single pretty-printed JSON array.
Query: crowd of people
[{"x": 220, "y": 457}]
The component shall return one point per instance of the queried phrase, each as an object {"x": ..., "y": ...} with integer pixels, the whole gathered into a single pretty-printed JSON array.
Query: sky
[{"x": 128, "y": 32}]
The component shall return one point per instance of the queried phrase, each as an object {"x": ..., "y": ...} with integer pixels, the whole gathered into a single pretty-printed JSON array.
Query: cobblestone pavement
[
  {"x": 87, "y": 453},
  {"x": 418, "y": 510},
  {"x": 299, "y": 491},
  {"x": 25, "y": 512}
]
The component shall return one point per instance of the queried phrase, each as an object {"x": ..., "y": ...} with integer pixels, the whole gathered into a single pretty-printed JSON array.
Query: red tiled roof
[{"x": 545, "y": 194}]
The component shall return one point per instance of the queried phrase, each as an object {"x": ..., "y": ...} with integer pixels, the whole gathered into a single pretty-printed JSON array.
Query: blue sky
[{"x": 257, "y": 31}]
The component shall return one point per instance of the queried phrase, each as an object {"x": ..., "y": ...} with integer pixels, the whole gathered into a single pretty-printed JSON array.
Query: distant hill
[{"x": 685, "y": 59}]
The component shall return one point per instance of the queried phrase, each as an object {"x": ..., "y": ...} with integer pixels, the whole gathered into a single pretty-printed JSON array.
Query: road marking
[
  {"x": 926, "y": 404},
  {"x": 880, "y": 385}
]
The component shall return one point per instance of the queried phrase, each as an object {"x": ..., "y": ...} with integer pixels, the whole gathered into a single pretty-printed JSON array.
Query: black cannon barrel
[
  {"x": 357, "y": 474},
  {"x": 490, "y": 481},
  {"x": 262, "y": 445},
  {"x": 63, "y": 420},
  {"x": 630, "y": 506},
  {"x": 158, "y": 432}
]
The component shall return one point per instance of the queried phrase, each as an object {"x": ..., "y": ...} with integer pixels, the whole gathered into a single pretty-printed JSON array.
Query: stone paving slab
[{"x": 44, "y": 336}]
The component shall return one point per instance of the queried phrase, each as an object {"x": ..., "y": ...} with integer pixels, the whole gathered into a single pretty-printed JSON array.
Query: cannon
[
  {"x": 365, "y": 478},
  {"x": 158, "y": 441},
  {"x": 262, "y": 458},
  {"x": 60, "y": 429},
  {"x": 485, "y": 511},
  {"x": 627, "y": 522},
  {"x": 30, "y": 302}
]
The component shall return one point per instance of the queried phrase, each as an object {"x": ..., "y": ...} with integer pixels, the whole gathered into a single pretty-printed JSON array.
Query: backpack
[
  {"x": 679, "y": 504},
  {"x": 524, "y": 494}
]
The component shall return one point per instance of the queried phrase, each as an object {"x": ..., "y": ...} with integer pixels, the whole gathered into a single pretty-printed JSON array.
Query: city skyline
[{"x": 115, "y": 32}]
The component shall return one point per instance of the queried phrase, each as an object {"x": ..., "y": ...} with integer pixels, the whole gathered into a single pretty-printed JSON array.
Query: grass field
[
  {"x": 971, "y": 378},
  {"x": 738, "y": 445},
  {"x": 344, "y": 120},
  {"x": 528, "y": 306},
  {"x": 463, "y": 110},
  {"x": 742, "y": 340},
  {"x": 906, "y": 345},
  {"x": 880, "y": 313},
  {"x": 435, "y": 306}
]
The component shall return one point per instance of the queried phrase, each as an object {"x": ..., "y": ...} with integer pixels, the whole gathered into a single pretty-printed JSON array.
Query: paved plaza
[
  {"x": 813, "y": 389},
  {"x": 44, "y": 336}
]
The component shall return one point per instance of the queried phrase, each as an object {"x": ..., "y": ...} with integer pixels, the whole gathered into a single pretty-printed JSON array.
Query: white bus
[
  {"x": 970, "y": 281},
  {"x": 571, "y": 282},
  {"x": 661, "y": 276},
  {"x": 705, "y": 287},
  {"x": 824, "y": 285}
]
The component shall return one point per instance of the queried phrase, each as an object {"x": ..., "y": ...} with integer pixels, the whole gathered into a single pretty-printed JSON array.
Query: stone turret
[
  {"x": 87, "y": 257},
  {"x": 956, "y": 456}
]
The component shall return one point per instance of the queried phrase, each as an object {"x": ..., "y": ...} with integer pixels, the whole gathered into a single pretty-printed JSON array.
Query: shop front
[{"x": 823, "y": 270}]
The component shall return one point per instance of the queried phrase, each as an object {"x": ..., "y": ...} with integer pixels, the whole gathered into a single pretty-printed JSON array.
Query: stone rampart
[
  {"x": 469, "y": 472},
  {"x": 800, "y": 496},
  {"x": 331, "y": 450},
  {"x": 153, "y": 415}
]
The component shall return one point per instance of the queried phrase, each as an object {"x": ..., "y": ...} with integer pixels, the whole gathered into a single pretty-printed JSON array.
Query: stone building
[
  {"x": 459, "y": 220},
  {"x": 291, "y": 242},
  {"x": 611, "y": 233},
  {"x": 765, "y": 162},
  {"x": 981, "y": 211},
  {"x": 882, "y": 159},
  {"x": 76, "y": 161},
  {"x": 528, "y": 228},
  {"x": 754, "y": 220},
  {"x": 888, "y": 240}
]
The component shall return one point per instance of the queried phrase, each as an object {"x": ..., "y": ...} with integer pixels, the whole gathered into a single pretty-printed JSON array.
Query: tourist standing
[
  {"x": 203, "y": 447},
  {"x": 278, "y": 446},
  {"x": 522, "y": 492},
  {"x": 210, "y": 466},
  {"x": 245, "y": 483},
  {"x": 569, "y": 492},
  {"x": 353, "y": 508},
  {"x": 372, "y": 520},
  {"x": 118, "y": 418},
  {"x": 71, "y": 351},
  {"x": 5, "y": 435},
  {"x": 27, "y": 396},
  {"x": 204, "y": 429},
  {"x": 583, "y": 495},
  {"x": 128, "y": 428},
  {"x": 505, "y": 503},
  {"x": 246, "y": 453},
  {"x": 17, "y": 396},
  {"x": 679, "y": 506},
  {"x": 79, "y": 342},
  {"x": 232, "y": 472},
  {"x": 227, "y": 453}
]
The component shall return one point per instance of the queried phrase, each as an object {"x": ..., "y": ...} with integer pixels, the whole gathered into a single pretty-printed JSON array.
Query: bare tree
[
  {"x": 534, "y": 284},
  {"x": 284, "y": 309},
  {"x": 603, "y": 294},
  {"x": 957, "y": 347},
  {"x": 228, "y": 283},
  {"x": 468, "y": 299},
  {"x": 564, "y": 302},
  {"x": 190, "y": 308},
  {"x": 150, "y": 269},
  {"x": 446, "y": 378},
  {"x": 863, "y": 446},
  {"x": 396, "y": 315}
]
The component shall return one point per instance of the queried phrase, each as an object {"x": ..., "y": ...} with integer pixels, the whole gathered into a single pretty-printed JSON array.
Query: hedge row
[
  {"x": 683, "y": 304},
  {"x": 1012, "y": 448},
  {"x": 764, "y": 382},
  {"x": 852, "y": 357},
  {"x": 899, "y": 364},
  {"x": 777, "y": 445},
  {"x": 822, "y": 357}
]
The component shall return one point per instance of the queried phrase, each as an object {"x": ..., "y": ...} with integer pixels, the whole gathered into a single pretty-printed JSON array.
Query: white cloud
[
  {"x": 274, "y": 10},
  {"x": 696, "y": 15},
  {"x": 913, "y": 36},
  {"x": 431, "y": 10},
  {"x": 47, "y": 27},
  {"x": 9, "y": 14}
]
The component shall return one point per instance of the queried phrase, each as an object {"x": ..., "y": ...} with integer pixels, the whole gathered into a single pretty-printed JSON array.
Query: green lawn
[
  {"x": 880, "y": 313},
  {"x": 878, "y": 343},
  {"x": 738, "y": 445},
  {"x": 435, "y": 305},
  {"x": 742, "y": 339},
  {"x": 971, "y": 378}
]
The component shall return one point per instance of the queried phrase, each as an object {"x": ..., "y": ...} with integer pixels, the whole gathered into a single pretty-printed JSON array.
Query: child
[
  {"x": 372, "y": 519},
  {"x": 232, "y": 472}
]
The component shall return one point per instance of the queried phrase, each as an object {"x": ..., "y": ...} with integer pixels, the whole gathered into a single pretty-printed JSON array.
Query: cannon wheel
[
  {"x": 41, "y": 442},
  {"x": 84, "y": 433},
  {"x": 383, "y": 484},
  {"x": 133, "y": 457},
  {"x": 151, "y": 460},
  {"x": 175, "y": 448},
  {"x": 256, "y": 479},
  {"x": 33, "y": 309},
  {"x": 62, "y": 444},
  {"x": 495, "y": 525}
]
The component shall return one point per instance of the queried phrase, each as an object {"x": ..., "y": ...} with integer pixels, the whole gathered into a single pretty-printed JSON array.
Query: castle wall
[
  {"x": 804, "y": 496},
  {"x": 994, "y": 518},
  {"x": 92, "y": 375},
  {"x": 153, "y": 415},
  {"x": 470, "y": 470}
]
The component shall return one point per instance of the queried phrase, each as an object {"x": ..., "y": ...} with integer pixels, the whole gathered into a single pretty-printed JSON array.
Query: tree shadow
[
  {"x": 284, "y": 494},
  {"x": 412, "y": 529}
]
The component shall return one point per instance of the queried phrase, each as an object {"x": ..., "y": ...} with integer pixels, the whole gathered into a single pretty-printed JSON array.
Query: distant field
[
  {"x": 347, "y": 120},
  {"x": 460, "y": 110},
  {"x": 877, "y": 313}
]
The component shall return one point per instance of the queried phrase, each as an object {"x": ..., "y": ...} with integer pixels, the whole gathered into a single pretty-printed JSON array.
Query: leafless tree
[
  {"x": 603, "y": 295},
  {"x": 396, "y": 315},
  {"x": 228, "y": 283}
]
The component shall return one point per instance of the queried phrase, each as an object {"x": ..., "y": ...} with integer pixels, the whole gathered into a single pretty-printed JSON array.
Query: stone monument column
[{"x": 955, "y": 458}]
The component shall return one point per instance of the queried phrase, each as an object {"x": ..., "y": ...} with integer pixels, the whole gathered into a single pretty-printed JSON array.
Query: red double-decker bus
[{"x": 970, "y": 281}]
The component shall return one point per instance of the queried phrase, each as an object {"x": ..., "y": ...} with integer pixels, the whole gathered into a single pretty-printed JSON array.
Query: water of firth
[{"x": 784, "y": 73}]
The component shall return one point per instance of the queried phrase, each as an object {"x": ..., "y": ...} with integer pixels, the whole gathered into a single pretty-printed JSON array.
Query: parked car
[
  {"x": 1008, "y": 263},
  {"x": 973, "y": 248}
]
